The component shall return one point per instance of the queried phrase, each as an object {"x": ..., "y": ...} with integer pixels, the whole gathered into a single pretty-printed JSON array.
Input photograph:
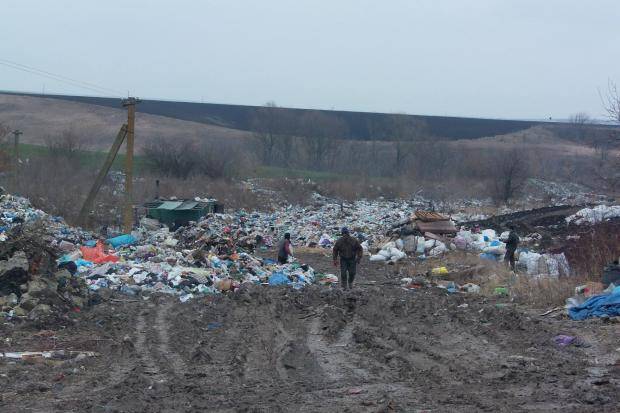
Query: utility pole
[
  {"x": 130, "y": 103},
  {"x": 16, "y": 134}
]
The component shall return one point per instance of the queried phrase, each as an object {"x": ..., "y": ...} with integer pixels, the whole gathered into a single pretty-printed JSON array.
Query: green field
[
  {"x": 94, "y": 159},
  {"x": 91, "y": 159}
]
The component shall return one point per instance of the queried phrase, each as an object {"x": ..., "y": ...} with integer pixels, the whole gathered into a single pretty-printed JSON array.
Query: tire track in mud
[
  {"x": 149, "y": 364},
  {"x": 152, "y": 343},
  {"x": 335, "y": 361},
  {"x": 282, "y": 340},
  {"x": 161, "y": 323}
]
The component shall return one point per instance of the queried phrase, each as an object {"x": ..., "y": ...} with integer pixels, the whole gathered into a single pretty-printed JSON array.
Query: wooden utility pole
[
  {"x": 90, "y": 199},
  {"x": 130, "y": 104},
  {"x": 16, "y": 134}
]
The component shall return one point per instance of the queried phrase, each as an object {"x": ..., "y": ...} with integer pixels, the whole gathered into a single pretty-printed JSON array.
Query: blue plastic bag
[
  {"x": 278, "y": 278},
  {"x": 83, "y": 263},
  {"x": 121, "y": 240}
]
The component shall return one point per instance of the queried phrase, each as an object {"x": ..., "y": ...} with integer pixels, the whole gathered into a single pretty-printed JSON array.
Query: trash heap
[
  {"x": 319, "y": 224},
  {"x": 31, "y": 282},
  {"x": 424, "y": 234},
  {"x": 429, "y": 234},
  {"x": 46, "y": 264},
  {"x": 211, "y": 257},
  {"x": 594, "y": 215}
]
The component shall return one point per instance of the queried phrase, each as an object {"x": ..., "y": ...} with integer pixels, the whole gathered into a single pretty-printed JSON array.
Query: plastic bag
[
  {"x": 121, "y": 240},
  {"x": 278, "y": 278},
  {"x": 97, "y": 254},
  {"x": 420, "y": 245}
]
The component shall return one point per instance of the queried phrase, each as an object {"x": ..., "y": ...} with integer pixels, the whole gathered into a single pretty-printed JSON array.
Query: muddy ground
[{"x": 379, "y": 348}]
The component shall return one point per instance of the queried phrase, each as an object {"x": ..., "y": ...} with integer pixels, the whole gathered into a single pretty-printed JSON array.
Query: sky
[{"x": 515, "y": 59}]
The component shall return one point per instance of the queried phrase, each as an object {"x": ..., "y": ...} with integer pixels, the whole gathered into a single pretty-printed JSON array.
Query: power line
[{"x": 60, "y": 78}]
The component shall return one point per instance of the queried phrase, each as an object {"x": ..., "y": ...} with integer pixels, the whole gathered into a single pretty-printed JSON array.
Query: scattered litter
[
  {"x": 471, "y": 288},
  {"x": 500, "y": 291},
  {"x": 563, "y": 341},
  {"x": 214, "y": 325}
]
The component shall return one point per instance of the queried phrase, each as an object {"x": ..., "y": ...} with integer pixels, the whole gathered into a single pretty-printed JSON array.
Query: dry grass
[{"x": 544, "y": 292}]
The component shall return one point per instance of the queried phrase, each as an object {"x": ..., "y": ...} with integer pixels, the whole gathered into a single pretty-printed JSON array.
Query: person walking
[
  {"x": 350, "y": 252},
  {"x": 284, "y": 249},
  {"x": 511, "y": 247}
]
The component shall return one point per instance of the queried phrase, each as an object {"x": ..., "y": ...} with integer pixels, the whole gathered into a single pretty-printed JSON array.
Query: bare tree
[
  {"x": 432, "y": 159},
  {"x": 321, "y": 132},
  {"x": 404, "y": 130},
  {"x": 272, "y": 128},
  {"x": 611, "y": 101},
  {"x": 66, "y": 145},
  {"x": 608, "y": 173},
  {"x": 376, "y": 132},
  {"x": 176, "y": 158},
  {"x": 222, "y": 159},
  {"x": 509, "y": 172},
  {"x": 578, "y": 125}
]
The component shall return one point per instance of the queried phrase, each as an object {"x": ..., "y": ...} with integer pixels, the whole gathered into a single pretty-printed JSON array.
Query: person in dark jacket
[
  {"x": 511, "y": 246},
  {"x": 350, "y": 252},
  {"x": 284, "y": 249},
  {"x": 611, "y": 274}
]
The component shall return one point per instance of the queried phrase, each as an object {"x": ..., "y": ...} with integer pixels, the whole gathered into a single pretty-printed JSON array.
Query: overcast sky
[{"x": 484, "y": 58}]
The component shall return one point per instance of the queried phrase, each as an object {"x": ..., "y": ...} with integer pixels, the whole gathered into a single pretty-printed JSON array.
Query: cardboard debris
[
  {"x": 430, "y": 216},
  {"x": 436, "y": 227}
]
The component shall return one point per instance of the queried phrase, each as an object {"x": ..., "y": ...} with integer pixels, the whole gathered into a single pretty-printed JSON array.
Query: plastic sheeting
[
  {"x": 605, "y": 305},
  {"x": 97, "y": 254}
]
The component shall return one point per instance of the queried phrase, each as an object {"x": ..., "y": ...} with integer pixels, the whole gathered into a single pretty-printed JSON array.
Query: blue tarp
[
  {"x": 121, "y": 240},
  {"x": 606, "y": 305},
  {"x": 278, "y": 278}
]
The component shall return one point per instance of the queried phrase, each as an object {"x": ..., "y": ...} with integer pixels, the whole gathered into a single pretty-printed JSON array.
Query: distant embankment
[{"x": 359, "y": 123}]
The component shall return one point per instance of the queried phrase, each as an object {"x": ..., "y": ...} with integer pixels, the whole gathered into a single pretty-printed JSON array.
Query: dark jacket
[
  {"x": 348, "y": 248},
  {"x": 284, "y": 248},
  {"x": 611, "y": 274},
  {"x": 513, "y": 241}
]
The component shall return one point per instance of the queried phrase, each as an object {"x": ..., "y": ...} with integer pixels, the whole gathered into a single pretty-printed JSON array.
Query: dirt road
[{"x": 379, "y": 348}]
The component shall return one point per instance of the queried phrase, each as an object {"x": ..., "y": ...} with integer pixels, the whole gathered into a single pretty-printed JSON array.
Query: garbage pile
[
  {"x": 431, "y": 235},
  {"x": 211, "y": 257},
  {"x": 319, "y": 224},
  {"x": 594, "y": 215},
  {"x": 46, "y": 264}
]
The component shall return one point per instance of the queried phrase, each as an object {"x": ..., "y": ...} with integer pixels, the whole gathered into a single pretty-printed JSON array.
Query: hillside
[
  {"x": 40, "y": 118},
  {"x": 240, "y": 117}
]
